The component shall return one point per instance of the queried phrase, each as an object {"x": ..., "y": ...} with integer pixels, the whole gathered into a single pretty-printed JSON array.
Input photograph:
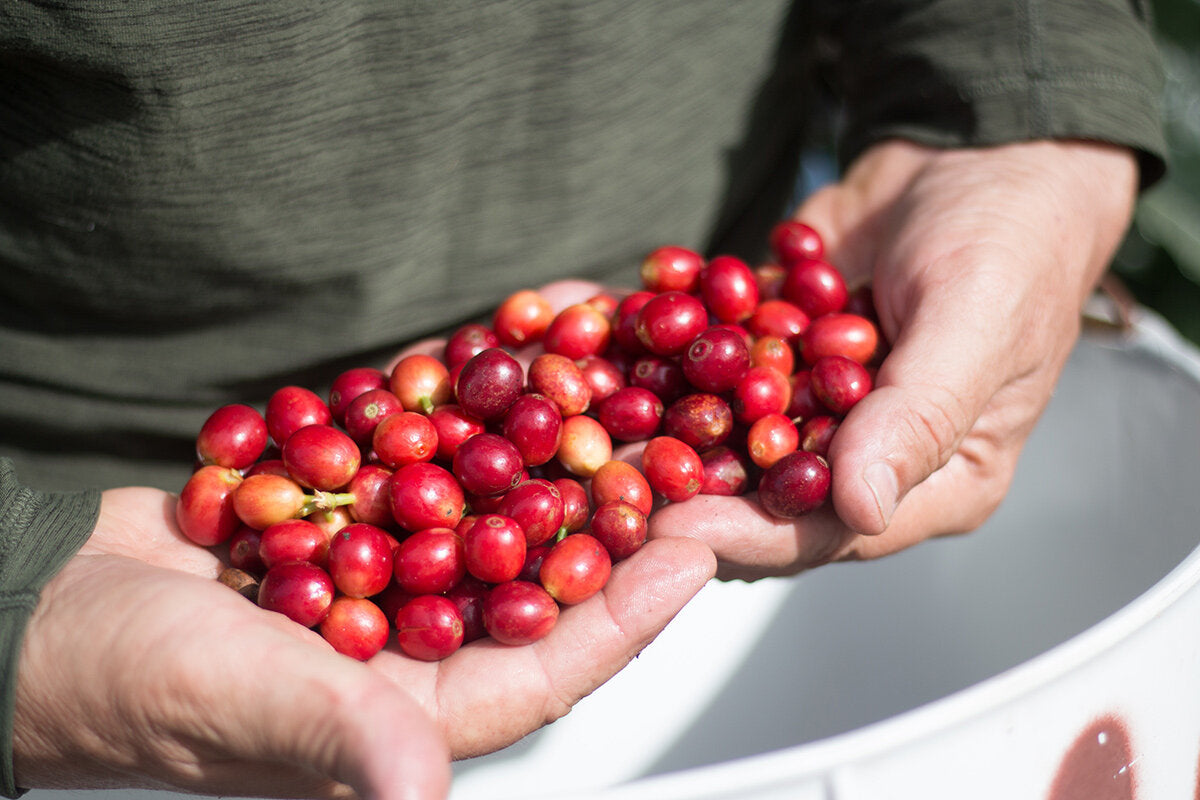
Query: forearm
[{"x": 39, "y": 532}]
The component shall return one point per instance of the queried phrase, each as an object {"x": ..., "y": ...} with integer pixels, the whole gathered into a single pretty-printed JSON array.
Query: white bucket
[{"x": 1053, "y": 654}]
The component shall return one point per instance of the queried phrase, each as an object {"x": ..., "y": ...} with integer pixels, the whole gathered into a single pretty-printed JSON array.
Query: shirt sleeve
[
  {"x": 961, "y": 73},
  {"x": 39, "y": 533}
]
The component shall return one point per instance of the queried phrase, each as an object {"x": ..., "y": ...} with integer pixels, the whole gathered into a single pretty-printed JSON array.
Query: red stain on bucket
[
  {"x": 1098, "y": 765},
  {"x": 1196, "y": 796}
]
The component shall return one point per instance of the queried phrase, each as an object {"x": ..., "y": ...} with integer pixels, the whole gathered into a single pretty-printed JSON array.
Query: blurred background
[{"x": 1160, "y": 260}]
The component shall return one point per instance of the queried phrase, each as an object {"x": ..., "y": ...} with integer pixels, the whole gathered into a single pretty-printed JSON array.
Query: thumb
[
  {"x": 338, "y": 722},
  {"x": 187, "y": 685},
  {"x": 380, "y": 742},
  {"x": 929, "y": 393}
]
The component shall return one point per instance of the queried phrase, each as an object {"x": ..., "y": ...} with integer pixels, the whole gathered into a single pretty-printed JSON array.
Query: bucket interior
[{"x": 1104, "y": 504}]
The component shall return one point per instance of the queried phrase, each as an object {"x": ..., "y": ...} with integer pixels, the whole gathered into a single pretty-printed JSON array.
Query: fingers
[
  {"x": 979, "y": 301},
  {"x": 337, "y": 724},
  {"x": 931, "y": 391},
  {"x": 855, "y": 214},
  {"x": 956, "y": 499},
  {"x": 187, "y": 685},
  {"x": 295, "y": 717},
  {"x": 139, "y": 522},
  {"x": 749, "y": 543},
  {"x": 896, "y": 438},
  {"x": 488, "y": 695}
]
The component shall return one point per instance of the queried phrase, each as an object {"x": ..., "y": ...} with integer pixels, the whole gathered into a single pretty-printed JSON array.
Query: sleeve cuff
[
  {"x": 958, "y": 74},
  {"x": 39, "y": 533}
]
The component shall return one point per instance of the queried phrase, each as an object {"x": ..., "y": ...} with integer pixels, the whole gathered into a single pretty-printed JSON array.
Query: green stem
[{"x": 325, "y": 501}]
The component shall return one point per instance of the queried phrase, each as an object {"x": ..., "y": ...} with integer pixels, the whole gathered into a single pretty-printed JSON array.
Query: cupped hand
[
  {"x": 139, "y": 669},
  {"x": 980, "y": 263}
]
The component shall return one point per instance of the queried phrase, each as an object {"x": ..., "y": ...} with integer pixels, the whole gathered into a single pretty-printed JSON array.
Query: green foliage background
[{"x": 1160, "y": 260}]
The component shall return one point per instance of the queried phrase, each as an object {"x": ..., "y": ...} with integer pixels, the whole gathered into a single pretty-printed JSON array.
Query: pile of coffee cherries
[{"x": 470, "y": 494}]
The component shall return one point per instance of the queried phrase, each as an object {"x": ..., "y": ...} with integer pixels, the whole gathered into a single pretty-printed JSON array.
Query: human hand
[
  {"x": 980, "y": 262},
  {"x": 139, "y": 669}
]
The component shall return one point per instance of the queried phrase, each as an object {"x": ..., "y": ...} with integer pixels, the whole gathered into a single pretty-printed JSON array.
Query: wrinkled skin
[
  {"x": 139, "y": 669},
  {"x": 980, "y": 262}
]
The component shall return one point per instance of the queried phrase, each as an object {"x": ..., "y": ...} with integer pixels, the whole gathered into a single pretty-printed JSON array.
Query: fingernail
[{"x": 881, "y": 480}]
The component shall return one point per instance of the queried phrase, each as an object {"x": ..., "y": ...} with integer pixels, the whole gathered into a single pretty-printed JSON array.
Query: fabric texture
[
  {"x": 39, "y": 532},
  {"x": 956, "y": 74},
  {"x": 206, "y": 201},
  {"x": 202, "y": 202}
]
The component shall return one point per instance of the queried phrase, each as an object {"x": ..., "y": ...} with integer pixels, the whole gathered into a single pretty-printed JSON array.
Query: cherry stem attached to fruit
[{"x": 325, "y": 501}]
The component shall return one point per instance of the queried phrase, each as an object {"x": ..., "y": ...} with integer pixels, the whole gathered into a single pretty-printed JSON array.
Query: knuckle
[{"x": 932, "y": 426}]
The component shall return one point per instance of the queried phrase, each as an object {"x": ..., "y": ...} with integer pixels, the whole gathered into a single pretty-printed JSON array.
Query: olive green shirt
[{"x": 201, "y": 202}]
